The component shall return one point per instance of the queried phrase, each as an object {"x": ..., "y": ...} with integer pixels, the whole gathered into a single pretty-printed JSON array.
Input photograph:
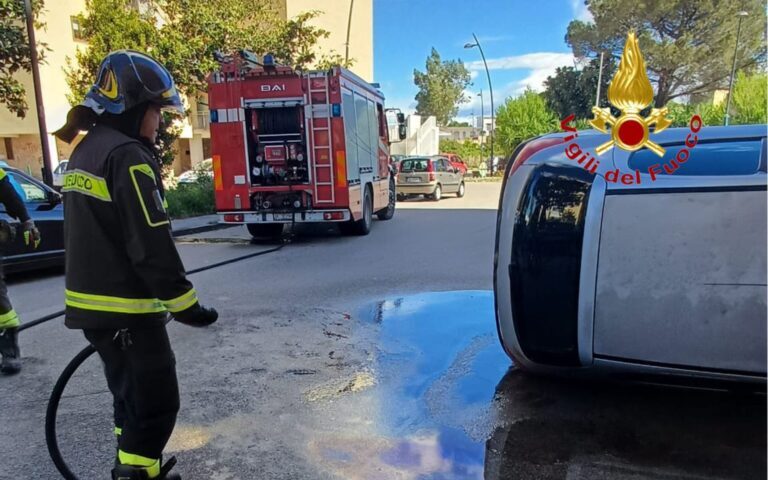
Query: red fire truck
[{"x": 298, "y": 147}]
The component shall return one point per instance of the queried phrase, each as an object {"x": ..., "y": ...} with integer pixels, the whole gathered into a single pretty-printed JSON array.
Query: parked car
[
  {"x": 45, "y": 207},
  {"x": 58, "y": 174},
  {"x": 679, "y": 289},
  {"x": 456, "y": 161},
  {"x": 190, "y": 176},
  {"x": 431, "y": 176}
]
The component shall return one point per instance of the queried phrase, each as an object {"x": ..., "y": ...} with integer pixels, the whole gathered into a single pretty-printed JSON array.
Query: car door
[
  {"x": 48, "y": 217},
  {"x": 682, "y": 261},
  {"x": 452, "y": 183}
]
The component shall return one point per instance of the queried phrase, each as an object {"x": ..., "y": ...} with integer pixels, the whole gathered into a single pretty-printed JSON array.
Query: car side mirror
[
  {"x": 400, "y": 118},
  {"x": 54, "y": 198},
  {"x": 402, "y": 131}
]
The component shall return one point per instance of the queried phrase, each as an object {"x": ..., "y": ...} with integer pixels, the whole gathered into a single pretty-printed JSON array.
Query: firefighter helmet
[{"x": 128, "y": 78}]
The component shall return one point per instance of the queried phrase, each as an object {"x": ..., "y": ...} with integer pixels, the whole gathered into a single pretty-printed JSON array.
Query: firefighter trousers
[
  {"x": 141, "y": 373},
  {"x": 8, "y": 316}
]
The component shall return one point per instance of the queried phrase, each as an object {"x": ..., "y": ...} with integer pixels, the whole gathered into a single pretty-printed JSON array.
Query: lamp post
[
  {"x": 490, "y": 88},
  {"x": 741, "y": 16},
  {"x": 482, "y": 118},
  {"x": 47, "y": 173}
]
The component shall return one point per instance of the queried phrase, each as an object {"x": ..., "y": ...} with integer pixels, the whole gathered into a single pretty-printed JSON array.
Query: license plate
[
  {"x": 413, "y": 180},
  {"x": 282, "y": 216}
]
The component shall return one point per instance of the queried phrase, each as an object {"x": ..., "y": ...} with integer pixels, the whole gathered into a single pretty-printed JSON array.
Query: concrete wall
[{"x": 423, "y": 137}]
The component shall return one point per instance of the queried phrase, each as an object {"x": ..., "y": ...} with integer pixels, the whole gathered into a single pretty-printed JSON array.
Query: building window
[{"x": 77, "y": 29}]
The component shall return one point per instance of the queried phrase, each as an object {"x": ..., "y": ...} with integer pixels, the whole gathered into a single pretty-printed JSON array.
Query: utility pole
[
  {"x": 599, "y": 80},
  {"x": 47, "y": 171},
  {"x": 349, "y": 28},
  {"x": 741, "y": 15}
]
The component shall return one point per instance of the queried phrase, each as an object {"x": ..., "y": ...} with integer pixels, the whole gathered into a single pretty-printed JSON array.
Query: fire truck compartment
[{"x": 276, "y": 146}]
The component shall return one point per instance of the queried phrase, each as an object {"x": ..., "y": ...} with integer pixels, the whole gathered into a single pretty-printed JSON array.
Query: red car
[{"x": 456, "y": 161}]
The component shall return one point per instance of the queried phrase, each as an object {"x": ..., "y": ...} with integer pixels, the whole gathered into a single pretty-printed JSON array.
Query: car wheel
[
  {"x": 362, "y": 226},
  {"x": 389, "y": 212},
  {"x": 437, "y": 194},
  {"x": 265, "y": 230},
  {"x": 462, "y": 190}
]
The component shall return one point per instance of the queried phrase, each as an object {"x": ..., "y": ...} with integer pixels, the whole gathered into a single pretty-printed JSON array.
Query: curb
[{"x": 201, "y": 229}]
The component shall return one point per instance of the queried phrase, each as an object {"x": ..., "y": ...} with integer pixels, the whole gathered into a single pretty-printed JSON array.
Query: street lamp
[
  {"x": 482, "y": 117},
  {"x": 490, "y": 87},
  {"x": 741, "y": 15}
]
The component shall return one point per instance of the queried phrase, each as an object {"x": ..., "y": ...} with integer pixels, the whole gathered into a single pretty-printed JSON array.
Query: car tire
[
  {"x": 401, "y": 197},
  {"x": 462, "y": 190},
  {"x": 389, "y": 212},
  {"x": 363, "y": 226},
  {"x": 265, "y": 230},
  {"x": 437, "y": 194}
]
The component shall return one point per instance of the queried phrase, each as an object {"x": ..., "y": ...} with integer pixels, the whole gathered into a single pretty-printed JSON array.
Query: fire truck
[{"x": 298, "y": 147}]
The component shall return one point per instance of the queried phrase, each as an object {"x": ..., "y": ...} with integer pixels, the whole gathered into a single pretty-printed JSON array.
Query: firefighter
[
  {"x": 123, "y": 273},
  {"x": 9, "y": 319}
]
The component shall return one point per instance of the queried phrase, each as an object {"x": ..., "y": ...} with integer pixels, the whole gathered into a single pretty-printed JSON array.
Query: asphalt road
[{"x": 369, "y": 358}]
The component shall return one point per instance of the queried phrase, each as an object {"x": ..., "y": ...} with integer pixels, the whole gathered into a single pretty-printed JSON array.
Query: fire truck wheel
[
  {"x": 362, "y": 226},
  {"x": 389, "y": 212},
  {"x": 265, "y": 230}
]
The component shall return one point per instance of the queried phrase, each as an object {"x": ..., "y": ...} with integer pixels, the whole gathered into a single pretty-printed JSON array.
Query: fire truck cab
[{"x": 298, "y": 147}]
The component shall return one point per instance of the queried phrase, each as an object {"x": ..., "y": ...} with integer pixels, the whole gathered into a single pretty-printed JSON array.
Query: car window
[
  {"x": 740, "y": 157},
  {"x": 61, "y": 168},
  {"x": 439, "y": 166},
  {"x": 27, "y": 190},
  {"x": 414, "y": 165}
]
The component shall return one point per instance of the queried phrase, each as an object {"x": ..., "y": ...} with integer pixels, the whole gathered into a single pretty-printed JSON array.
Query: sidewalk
[{"x": 188, "y": 226}]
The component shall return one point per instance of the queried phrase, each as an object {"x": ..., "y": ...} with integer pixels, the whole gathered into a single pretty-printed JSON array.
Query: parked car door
[
  {"x": 47, "y": 215},
  {"x": 681, "y": 276},
  {"x": 451, "y": 177}
]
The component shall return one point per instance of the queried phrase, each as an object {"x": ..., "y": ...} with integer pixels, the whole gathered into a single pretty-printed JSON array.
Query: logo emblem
[
  {"x": 630, "y": 91},
  {"x": 273, "y": 88}
]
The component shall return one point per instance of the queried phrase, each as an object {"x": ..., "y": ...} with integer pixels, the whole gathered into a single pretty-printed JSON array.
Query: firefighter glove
[
  {"x": 31, "y": 234},
  {"x": 197, "y": 316}
]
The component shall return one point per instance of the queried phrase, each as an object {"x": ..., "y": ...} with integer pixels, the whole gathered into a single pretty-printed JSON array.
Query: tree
[
  {"x": 688, "y": 45},
  {"x": 521, "y": 118},
  {"x": 749, "y": 98},
  {"x": 15, "y": 55},
  {"x": 454, "y": 123},
  {"x": 472, "y": 153},
  {"x": 710, "y": 114},
  {"x": 184, "y": 35},
  {"x": 572, "y": 91},
  {"x": 441, "y": 88}
]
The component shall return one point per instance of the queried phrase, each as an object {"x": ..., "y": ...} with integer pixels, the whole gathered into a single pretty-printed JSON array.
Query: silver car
[
  {"x": 429, "y": 176},
  {"x": 636, "y": 264}
]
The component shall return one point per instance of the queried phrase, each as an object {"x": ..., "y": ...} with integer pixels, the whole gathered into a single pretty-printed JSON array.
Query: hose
[{"x": 58, "y": 389}]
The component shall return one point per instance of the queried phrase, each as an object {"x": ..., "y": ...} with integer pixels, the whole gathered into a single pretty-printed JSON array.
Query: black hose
[
  {"x": 58, "y": 389},
  {"x": 51, "y": 316},
  {"x": 53, "y": 406}
]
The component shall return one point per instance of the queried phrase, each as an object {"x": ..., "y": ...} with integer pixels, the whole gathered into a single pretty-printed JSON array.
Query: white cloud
[
  {"x": 580, "y": 11},
  {"x": 527, "y": 61}
]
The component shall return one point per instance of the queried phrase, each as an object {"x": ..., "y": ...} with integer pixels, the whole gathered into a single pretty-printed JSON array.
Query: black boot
[
  {"x": 130, "y": 472},
  {"x": 9, "y": 349}
]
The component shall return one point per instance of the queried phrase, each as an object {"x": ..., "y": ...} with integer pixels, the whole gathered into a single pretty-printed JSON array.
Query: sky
[{"x": 523, "y": 42}]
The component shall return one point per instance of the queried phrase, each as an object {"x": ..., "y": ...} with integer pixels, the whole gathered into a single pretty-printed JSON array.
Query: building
[
  {"x": 461, "y": 134},
  {"x": 19, "y": 138}
]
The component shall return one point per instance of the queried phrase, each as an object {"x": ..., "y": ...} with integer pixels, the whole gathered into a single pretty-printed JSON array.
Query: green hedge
[{"x": 191, "y": 199}]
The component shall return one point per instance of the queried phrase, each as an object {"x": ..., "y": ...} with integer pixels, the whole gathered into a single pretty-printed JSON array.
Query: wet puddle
[{"x": 436, "y": 369}]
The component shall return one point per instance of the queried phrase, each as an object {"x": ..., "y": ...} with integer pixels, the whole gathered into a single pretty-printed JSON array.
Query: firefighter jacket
[{"x": 122, "y": 267}]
